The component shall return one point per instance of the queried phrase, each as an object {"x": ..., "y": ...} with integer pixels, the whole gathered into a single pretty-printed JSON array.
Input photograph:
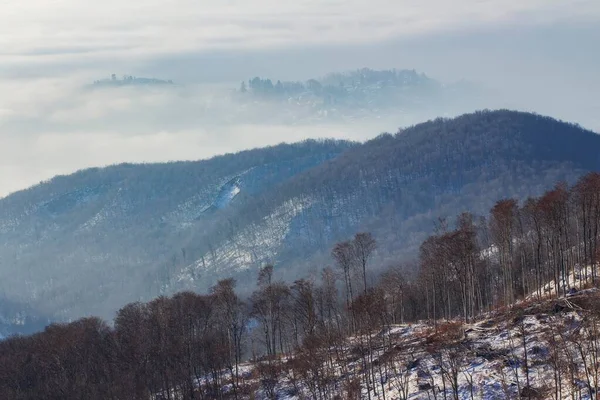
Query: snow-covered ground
[
  {"x": 250, "y": 246},
  {"x": 542, "y": 349},
  {"x": 576, "y": 280}
]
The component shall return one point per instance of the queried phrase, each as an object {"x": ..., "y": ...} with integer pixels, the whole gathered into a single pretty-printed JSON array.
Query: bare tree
[
  {"x": 342, "y": 253},
  {"x": 364, "y": 245},
  {"x": 232, "y": 313},
  {"x": 502, "y": 227},
  {"x": 269, "y": 303}
]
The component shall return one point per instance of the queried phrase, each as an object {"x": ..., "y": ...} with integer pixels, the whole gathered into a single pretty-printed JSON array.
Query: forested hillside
[
  {"x": 396, "y": 185},
  {"x": 504, "y": 305},
  {"x": 92, "y": 241}
]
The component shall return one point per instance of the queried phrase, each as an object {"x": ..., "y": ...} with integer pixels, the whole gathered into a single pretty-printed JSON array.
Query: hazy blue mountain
[
  {"x": 18, "y": 318},
  {"x": 364, "y": 93},
  {"x": 90, "y": 242}
]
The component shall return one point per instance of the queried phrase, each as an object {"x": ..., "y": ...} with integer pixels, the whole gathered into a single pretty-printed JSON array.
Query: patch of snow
[
  {"x": 227, "y": 193},
  {"x": 251, "y": 246}
]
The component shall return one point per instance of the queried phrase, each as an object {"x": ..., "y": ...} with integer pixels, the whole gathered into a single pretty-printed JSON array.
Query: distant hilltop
[{"x": 129, "y": 80}]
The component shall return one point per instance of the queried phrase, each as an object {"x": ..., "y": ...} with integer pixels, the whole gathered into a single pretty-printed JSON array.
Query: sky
[{"x": 538, "y": 55}]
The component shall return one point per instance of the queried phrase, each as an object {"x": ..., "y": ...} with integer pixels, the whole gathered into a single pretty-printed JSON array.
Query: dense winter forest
[
  {"x": 195, "y": 346},
  {"x": 89, "y": 242}
]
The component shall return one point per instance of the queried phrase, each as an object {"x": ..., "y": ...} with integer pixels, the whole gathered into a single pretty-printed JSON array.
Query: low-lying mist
[
  {"x": 62, "y": 123},
  {"x": 56, "y": 126}
]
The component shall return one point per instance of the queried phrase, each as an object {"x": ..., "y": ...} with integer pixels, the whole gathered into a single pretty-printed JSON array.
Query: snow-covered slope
[{"x": 544, "y": 349}]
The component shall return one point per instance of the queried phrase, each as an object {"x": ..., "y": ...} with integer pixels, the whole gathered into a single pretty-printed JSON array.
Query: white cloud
[{"x": 41, "y": 30}]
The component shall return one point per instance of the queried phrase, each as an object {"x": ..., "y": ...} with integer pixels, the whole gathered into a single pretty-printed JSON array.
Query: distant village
[{"x": 129, "y": 80}]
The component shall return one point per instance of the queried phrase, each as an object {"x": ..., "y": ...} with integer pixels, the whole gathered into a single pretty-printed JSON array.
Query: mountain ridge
[{"x": 92, "y": 241}]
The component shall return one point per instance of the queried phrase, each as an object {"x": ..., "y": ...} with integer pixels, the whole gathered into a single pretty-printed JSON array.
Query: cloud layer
[
  {"x": 63, "y": 30},
  {"x": 54, "y": 126}
]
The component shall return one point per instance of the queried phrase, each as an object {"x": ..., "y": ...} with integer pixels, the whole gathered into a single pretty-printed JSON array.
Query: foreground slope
[
  {"x": 540, "y": 349},
  {"x": 94, "y": 240}
]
